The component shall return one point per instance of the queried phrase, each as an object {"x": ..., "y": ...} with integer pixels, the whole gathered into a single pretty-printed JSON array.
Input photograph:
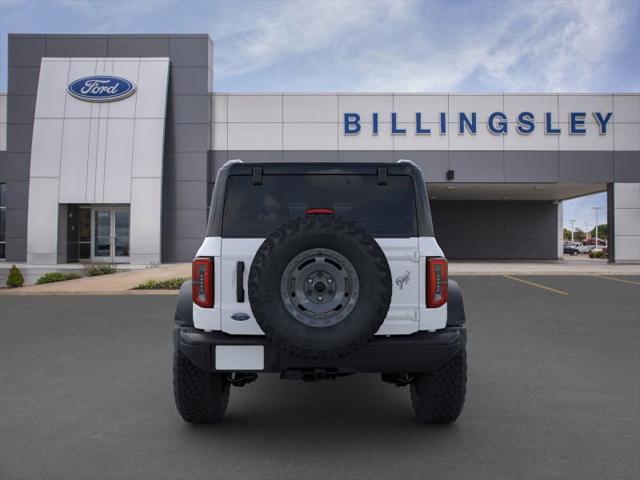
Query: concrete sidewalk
[
  {"x": 581, "y": 265},
  {"x": 112, "y": 284}
]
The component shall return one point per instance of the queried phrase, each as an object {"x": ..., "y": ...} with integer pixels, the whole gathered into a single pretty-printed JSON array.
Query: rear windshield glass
[{"x": 257, "y": 210}]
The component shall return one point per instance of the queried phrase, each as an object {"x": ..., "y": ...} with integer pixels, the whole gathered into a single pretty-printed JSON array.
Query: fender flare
[
  {"x": 184, "y": 306},
  {"x": 455, "y": 305}
]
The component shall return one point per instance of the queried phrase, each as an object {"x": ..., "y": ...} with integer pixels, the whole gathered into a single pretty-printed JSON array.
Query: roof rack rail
[
  {"x": 231, "y": 162},
  {"x": 410, "y": 162}
]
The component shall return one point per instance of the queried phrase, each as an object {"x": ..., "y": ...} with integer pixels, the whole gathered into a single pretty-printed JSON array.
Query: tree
[
  {"x": 603, "y": 231},
  {"x": 578, "y": 235},
  {"x": 15, "y": 278}
]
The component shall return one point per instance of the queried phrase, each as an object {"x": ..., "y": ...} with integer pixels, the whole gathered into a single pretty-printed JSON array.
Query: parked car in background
[
  {"x": 573, "y": 248},
  {"x": 592, "y": 241},
  {"x": 586, "y": 248}
]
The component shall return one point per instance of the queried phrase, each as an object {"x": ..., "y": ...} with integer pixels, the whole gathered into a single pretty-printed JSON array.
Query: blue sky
[{"x": 370, "y": 45}]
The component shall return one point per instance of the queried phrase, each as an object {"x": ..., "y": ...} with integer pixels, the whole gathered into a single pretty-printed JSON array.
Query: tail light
[
  {"x": 437, "y": 282},
  {"x": 319, "y": 211},
  {"x": 202, "y": 282}
]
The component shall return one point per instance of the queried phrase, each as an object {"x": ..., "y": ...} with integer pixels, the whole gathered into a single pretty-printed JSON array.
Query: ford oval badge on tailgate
[{"x": 241, "y": 317}]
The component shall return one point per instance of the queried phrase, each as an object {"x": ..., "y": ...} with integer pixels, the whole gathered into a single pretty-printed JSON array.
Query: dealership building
[{"x": 110, "y": 144}]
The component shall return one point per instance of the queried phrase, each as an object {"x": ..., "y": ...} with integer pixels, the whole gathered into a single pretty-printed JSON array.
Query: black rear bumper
[{"x": 419, "y": 352}]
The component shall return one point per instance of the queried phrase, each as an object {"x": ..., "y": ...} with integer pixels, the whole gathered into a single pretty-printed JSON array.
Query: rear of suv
[{"x": 317, "y": 271}]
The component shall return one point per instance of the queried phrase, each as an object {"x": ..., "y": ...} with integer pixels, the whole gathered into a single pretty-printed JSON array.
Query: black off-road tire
[
  {"x": 438, "y": 397},
  {"x": 322, "y": 232},
  {"x": 201, "y": 396}
]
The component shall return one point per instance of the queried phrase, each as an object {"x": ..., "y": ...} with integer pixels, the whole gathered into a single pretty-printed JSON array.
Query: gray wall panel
[
  {"x": 186, "y": 137},
  {"x": 496, "y": 230},
  {"x": 76, "y": 46},
  {"x": 185, "y": 166},
  {"x": 256, "y": 155},
  {"x": 17, "y": 195},
  {"x": 185, "y": 195},
  {"x": 365, "y": 156},
  {"x": 310, "y": 156},
  {"x": 138, "y": 46},
  {"x": 180, "y": 249},
  {"x": 19, "y": 137},
  {"x": 188, "y": 109},
  {"x": 586, "y": 166},
  {"x": 529, "y": 166},
  {"x": 26, "y": 50},
  {"x": 14, "y": 166},
  {"x": 626, "y": 166},
  {"x": 23, "y": 80},
  {"x": 186, "y": 223},
  {"x": 16, "y": 222},
  {"x": 216, "y": 159},
  {"x": 188, "y": 80},
  {"x": 17, "y": 247},
  {"x": 22, "y": 108},
  {"x": 189, "y": 51},
  {"x": 477, "y": 166}
]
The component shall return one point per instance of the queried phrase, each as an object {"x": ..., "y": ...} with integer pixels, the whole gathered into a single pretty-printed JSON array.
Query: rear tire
[
  {"x": 201, "y": 396},
  {"x": 438, "y": 397}
]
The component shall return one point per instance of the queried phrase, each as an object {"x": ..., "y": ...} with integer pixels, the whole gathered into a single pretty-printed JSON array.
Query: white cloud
[
  {"x": 296, "y": 29},
  {"x": 404, "y": 46}
]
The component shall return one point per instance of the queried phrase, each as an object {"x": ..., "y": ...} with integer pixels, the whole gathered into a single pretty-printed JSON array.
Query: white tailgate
[
  {"x": 236, "y": 250},
  {"x": 403, "y": 256},
  {"x": 407, "y": 313}
]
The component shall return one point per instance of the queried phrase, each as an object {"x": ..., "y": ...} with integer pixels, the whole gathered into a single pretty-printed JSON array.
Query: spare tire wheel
[{"x": 320, "y": 287}]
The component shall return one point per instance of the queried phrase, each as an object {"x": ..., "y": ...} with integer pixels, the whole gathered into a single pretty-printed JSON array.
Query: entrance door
[{"x": 111, "y": 234}]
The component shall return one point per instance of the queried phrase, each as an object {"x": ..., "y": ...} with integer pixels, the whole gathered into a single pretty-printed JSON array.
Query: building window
[{"x": 3, "y": 220}]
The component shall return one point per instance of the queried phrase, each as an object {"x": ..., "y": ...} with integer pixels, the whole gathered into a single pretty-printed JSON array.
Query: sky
[{"x": 377, "y": 45}]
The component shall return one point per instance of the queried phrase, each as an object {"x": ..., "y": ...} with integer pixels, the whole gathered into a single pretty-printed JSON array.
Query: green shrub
[
  {"x": 95, "y": 269},
  {"x": 15, "y": 278},
  {"x": 169, "y": 284},
  {"x": 596, "y": 254},
  {"x": 52, "y": 277}
]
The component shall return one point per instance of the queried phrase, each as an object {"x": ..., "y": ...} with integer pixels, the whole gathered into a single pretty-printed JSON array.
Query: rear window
[{"x": 257, "y": 210}]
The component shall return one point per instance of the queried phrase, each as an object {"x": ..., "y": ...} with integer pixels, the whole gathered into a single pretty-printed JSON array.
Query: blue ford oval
[{"x": 101, "y": 88}]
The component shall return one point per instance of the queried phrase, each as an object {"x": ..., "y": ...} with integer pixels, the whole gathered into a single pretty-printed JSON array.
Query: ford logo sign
[{"x": 101, "y": 88}]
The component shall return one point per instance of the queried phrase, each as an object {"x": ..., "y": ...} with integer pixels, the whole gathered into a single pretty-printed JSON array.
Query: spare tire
[{"x": 320, "y": 287}]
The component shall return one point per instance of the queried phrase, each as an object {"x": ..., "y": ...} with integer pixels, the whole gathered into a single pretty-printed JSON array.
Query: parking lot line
[
  {"x": 631, "y": 282},
  {"x": 534, "y": 284}
]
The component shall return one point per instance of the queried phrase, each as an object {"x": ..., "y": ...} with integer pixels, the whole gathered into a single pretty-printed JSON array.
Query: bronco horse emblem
[{"x": 403, "y": 280}]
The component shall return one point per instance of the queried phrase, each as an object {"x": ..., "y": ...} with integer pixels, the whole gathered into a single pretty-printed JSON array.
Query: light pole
[
  {"x": 596, "y": 209},
  {"x": 586, "y": 230},
  {"x": 572, "y": 222}
]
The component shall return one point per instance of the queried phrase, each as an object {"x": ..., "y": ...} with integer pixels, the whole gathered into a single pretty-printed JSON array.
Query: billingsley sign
[
  {"x": 497, "y": 123},
  {"x": 101, "y": 88}
]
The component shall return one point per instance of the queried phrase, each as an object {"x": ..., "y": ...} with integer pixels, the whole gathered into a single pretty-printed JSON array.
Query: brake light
[
  {"x": 437, "y": 282},
  {"x": 202, "y": 282},
  {"x": 319, "y": 211}
]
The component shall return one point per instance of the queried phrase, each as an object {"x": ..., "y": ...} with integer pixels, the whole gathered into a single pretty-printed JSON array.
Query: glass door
[
  {"x": 111, "y": 234},
  {"x": 120, "y": 234}
]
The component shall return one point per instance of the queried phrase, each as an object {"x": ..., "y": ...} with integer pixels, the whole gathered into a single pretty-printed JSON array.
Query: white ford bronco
[{"x": 317, "y": 271}]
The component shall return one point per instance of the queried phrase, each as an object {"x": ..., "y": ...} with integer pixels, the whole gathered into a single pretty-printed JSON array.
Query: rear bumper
[{"x": 419, "y": 352}]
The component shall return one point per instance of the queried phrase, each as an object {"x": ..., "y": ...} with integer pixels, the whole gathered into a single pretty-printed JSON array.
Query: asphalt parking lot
[{"x": 554, "y": 392}]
